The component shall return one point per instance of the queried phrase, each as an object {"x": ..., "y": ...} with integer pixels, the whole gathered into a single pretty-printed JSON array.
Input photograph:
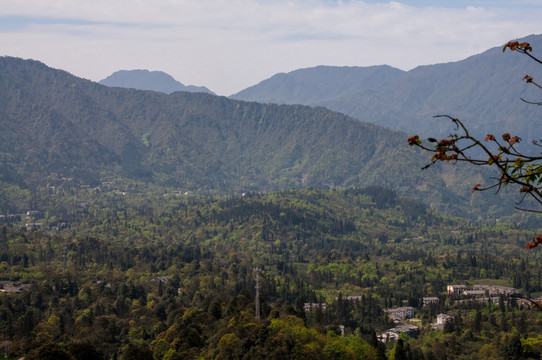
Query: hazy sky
[{"x": 230, "y": 45}]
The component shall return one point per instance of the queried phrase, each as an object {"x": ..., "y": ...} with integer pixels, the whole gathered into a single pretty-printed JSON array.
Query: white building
[
  {"x": 496, "y": 290},
  {"x": 404, "y": 312},
  {"x": 314, "y": 306},
  {"x": 455, "y": 289},
  {"x": 443, "y": 319},
  {"x": 430, "y": 300}
]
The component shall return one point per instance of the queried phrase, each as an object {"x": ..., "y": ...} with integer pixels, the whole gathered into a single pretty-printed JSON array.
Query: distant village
[
  {"x": 404, "y": 319},
  {"x": 30, "y": 219}
]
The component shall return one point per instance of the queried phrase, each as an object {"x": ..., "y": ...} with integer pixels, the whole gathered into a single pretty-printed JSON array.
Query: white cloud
[{"x": 229, "y": 45}]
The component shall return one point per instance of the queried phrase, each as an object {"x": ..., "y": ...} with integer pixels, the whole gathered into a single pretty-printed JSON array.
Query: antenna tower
[
  {"x": 64, "y": 257},
  {"x": 257, "y": 302}
]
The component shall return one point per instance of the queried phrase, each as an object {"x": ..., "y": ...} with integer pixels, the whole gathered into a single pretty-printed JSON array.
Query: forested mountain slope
[
  {"x": 483, "y": 90},
  {"x": 56, "y": 126},
  {"x": 314, "y": 86}
]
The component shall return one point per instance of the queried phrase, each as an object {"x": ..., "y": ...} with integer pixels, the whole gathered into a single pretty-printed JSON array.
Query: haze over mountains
[{"x": 483, "y": 90}]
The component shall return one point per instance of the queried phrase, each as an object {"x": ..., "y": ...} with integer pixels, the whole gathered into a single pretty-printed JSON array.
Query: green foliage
[
  {"x": 134, "y": 352},
  {"x": 84, "y": 351},
  {"x": 50, "y": 351}
]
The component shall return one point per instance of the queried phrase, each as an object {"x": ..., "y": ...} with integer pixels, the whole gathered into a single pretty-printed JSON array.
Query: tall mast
[{"x": 257, "y": 302}]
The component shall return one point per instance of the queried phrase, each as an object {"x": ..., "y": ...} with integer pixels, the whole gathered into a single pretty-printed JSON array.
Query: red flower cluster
[
  {"x": 442, "y": 156},
  {"x": 414, "y": 140},
  {"x": 514, "y": 139},
  {"x": 510, "y": 139},
  {"x": 489, "y": 137},
  {"x": 514, "y": 45},
  {"x": 446, "y": 142},
  {"x": 476, "y": 187},
  {"x": 534, "y": 243},
  {"x": 443, "y": 146},
  {"x": 529, "y": 79}
]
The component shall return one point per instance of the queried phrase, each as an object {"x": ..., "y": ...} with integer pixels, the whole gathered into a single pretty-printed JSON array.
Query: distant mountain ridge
[
  {"x": 55, "y": 125},
  {"x": 483, "y": 90},
  {"x": 313, "y": 86},
  {"x": 149, "y": 80}
]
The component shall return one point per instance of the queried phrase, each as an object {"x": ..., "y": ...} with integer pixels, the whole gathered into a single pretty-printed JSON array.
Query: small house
[
  {"x": 430, "y": 300},
  {"x": 314, "y": 306},
  {"x": 455, "y": 289}
]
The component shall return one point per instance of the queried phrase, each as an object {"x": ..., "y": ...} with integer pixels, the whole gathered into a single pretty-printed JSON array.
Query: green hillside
[{"x": 56, "y": 127}]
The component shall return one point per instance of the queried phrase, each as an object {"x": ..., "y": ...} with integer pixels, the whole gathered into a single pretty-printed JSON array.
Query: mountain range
[
  {"x": 55, "y": 125},
  {"x": 483, "y": 90}
]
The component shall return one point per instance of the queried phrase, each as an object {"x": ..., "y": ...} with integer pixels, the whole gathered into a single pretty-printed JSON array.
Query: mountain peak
[{"x": 142, "y": 79}]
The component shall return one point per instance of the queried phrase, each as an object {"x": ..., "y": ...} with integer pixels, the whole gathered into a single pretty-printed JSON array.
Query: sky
[{"x": 229, "y": 45}]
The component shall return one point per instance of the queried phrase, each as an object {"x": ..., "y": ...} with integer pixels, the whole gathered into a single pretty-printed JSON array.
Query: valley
[
  {"x": 174, "y": 273},
  {"x": 150, "y": 224}
]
